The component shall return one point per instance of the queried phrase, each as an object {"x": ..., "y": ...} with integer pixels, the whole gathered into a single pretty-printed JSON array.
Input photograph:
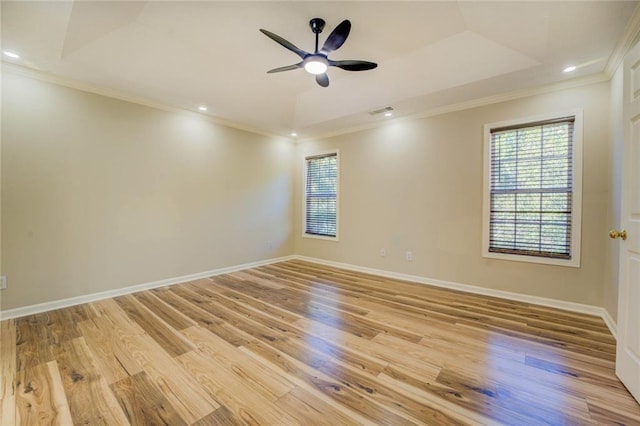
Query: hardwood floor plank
[
  {"x": 109, "y": 309},
  {"x": 34, "y": 341},
  {"x": 112, "y": 360},
  {"x": 143, "y": 403},
  {"x": 612, "y": 414},
  {"x": 433, "y": 399},
  {"x": 563, "y": 370},
  {"x": 190, "y": 400},
  {"x": 8, "y": 415},
  {"x": 242, "y": 298},
  {"x": 371, "y": 349},
  {"x": 532, "y": 347},
  {"x": 406, "y": 405},
  {"x": 8, "y": 372},
  {"x": 307, "y": 408},
  {"x": 254, "y": 374},
  {"x": 455, "y": 309},
  {"x": 171, "y": 316},
  {"x": 90, "y": 399},
  {"x": 220, "y": 417},
  {"x": 444, "y": 395},
  {"x": 446, "y": 299},
  {"x": 246, "y": 404},
  {"x": 286, "y": 337},
  {"x": 514, "y": 375},
  {"x": 317, "y": 381},
  {"x": 263, "y": 282},
  {"x": 201, "y": 317},
  {"x": 302, "y": 343},
  {"x": 170, "y": 340},
  {"x": 596, "y": 349},
  {"x": 332, "y": 317},
  {"x": 328, "y": 313},
  {"x": 535, "y": 407},
  {"x": 40, "y": 397}
]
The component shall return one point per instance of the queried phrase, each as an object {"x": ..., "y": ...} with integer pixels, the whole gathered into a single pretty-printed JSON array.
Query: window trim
[
  {"x": 304, "y": 195},
  {"x": 576, "y": 208}
]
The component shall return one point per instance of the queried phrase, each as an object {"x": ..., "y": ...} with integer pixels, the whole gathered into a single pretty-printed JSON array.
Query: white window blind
[
  {"x": 321, "y": 188},
  {"x": 531, "y": 189}
]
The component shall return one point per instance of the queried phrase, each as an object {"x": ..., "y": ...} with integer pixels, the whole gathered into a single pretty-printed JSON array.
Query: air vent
[{"x": 381, "y": 111}]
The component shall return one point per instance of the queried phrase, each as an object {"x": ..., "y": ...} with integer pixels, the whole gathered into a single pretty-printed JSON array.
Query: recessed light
[
  {"x": 11, "y": 54},
  {"x": 202, "y": 108},
  {"x": 386, "y": 110},
  {"x": 294, "y": 134},
  {"x": 388, "y": 114},
  {"x": 569, "y": 69}
]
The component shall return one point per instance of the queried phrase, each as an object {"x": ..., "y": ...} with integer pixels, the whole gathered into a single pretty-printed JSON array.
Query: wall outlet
[
  {"x": 270, "y": 244},
  {"x": 409, "y": 256},
  {"x": 383, "y": 252},
  {"x": 3, "y": 282}
]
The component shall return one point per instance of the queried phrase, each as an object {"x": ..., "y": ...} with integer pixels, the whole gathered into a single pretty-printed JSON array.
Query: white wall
[
  {"x": 100, "y": 194},
  {"x": 417, "y": 185}
]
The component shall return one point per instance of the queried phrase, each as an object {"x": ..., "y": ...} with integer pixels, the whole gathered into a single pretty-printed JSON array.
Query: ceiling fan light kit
[
  {"x": 315, "y": 64},
  {"x": 318, "y": 62}
]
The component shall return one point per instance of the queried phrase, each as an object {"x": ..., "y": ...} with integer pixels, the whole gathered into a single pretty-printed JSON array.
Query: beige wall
[
  {"x": 99, "y": 194},
  {"x": 417, "y": 185}
]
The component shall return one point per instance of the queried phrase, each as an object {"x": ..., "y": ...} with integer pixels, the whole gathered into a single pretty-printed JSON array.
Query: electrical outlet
[
  {"x": 3, "y": 282},
  {"x": 409, "y": 256},
  {"x": 383, "y": 252},
  {"x": 270, "y": 244}
]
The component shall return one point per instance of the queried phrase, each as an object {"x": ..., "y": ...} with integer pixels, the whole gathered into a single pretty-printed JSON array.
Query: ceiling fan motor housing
[{"x": 317, "y": 25}]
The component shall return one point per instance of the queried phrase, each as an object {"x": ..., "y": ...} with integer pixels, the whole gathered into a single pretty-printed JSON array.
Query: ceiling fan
[{"x": 317, "y": 63}]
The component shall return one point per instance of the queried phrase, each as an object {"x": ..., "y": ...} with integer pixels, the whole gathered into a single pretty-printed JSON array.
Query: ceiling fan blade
[
  {"x": 351, "y": 65},
  {"x": 287, "y": 68},
  {"x": 322, "y": 79},
  {"x": 337, "y": 37},
  {"x": 285, "y": 43}
]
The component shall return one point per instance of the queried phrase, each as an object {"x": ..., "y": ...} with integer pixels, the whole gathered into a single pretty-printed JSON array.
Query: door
[{"x": 628, "y": 347}]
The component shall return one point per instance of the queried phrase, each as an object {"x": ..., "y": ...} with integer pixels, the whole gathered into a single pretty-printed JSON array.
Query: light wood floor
[{"x": 298, "y": 343}]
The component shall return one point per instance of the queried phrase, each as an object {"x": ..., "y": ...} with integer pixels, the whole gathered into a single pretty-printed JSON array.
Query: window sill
[
  {"x": 319, "y": 237},
  {"x": 573, "y": 263}
]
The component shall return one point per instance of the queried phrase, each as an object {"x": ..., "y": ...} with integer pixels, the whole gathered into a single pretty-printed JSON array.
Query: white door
[{"x": 628, "y": 347}]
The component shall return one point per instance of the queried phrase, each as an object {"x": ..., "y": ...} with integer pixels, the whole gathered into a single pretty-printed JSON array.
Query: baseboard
[
  {"x": 534, "y": 300},
  {"x": 613, "y": 327},
  {"x": 72, "y": 301}
]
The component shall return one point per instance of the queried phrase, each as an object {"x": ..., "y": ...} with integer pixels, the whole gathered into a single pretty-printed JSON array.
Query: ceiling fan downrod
[{"x": 317, "y": 25}]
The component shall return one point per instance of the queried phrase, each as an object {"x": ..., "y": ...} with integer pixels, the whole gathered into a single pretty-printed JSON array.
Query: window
[
  {"x": 321, "y": 196},
  {"x": 533, "y": 190}
]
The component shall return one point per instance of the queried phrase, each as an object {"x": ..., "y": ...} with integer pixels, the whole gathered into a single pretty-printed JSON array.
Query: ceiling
[{"x": 430, "y": 55}]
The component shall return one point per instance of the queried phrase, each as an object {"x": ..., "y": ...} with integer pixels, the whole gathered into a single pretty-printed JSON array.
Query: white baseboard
[
  {"x": 613, "y": 327},
  {"x": 534, "y": 300},
  {"x": 72, "y": 301}
]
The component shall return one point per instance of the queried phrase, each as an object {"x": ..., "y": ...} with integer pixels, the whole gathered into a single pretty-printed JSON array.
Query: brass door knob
[{"x": 618, "y": 234}]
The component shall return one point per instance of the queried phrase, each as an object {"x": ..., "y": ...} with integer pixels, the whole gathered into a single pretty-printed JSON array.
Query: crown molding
[
  {"x": 122, "y": 96},
  {"x": 626, "y": 40},
  {"x": 474, "y": 103}
]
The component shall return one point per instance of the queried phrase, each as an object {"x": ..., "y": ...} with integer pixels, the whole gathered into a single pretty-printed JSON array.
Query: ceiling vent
[{"x": 381, "y": 111}]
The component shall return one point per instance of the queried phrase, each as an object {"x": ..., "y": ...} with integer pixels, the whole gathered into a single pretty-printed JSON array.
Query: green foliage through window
[
  {"x": 531, "y": 189},
  {"x": 321, "y": 195}
]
